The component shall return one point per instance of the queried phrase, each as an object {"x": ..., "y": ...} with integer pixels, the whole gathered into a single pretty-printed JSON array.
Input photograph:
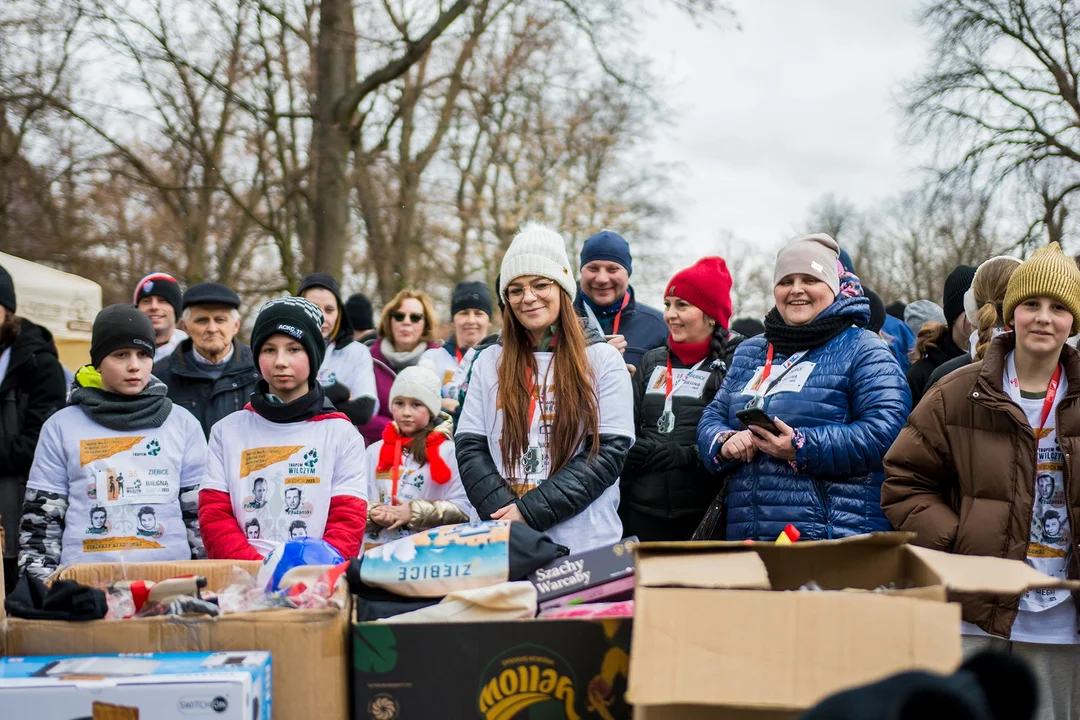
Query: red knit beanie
[{"x": 707, "y": 285}]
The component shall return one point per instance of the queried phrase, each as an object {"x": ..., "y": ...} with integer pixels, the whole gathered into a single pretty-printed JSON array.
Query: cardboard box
[
  {"x": 554, "y": 669},
  {"x": 166, "y": 686},
  {"x": 716, "y": 624},
  {"x": 309, "y": 647}
]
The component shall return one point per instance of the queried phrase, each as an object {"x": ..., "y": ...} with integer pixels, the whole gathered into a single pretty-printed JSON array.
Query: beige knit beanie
[
  {"x": 814, "y": 255},
  {"x": 1047, "y": 273}
]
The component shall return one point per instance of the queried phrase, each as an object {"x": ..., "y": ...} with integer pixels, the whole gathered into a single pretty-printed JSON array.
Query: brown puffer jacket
[{"x": 962, "y": 472}]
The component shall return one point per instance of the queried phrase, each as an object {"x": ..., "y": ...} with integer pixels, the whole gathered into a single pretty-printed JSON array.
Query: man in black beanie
[
  {"x": 212, "y": 374},
  {"x": 470, "y": 308},
  {"x": 360, "y": 313},
  {"x": 30, "y": 378}
]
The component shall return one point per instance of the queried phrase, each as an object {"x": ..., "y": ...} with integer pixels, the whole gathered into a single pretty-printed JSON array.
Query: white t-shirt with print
[
  {"x": 123, "y": 486},
  {"x": 598, "y": 524},
  {"x": 351, "y": 366},
  {"x": 414, "y": 483},
  {"x": 446, "y": 366},
  {"x": 280, "y": 476}
]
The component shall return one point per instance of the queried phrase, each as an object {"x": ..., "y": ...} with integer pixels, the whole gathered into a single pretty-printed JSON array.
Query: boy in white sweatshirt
[{"x": 116, "y": 473}]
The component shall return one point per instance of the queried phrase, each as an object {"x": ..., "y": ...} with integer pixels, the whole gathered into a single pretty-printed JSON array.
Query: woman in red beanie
[{"x": 665, "y": 488}]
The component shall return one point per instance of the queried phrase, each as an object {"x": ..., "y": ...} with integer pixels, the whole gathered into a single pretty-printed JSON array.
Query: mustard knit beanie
[{"x": 1047, "y": 273}]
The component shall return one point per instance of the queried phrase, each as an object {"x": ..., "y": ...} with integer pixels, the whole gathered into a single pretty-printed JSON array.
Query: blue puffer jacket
[
  {"x": 849, "y": 411},
  {"x": 900, "y": 339}
]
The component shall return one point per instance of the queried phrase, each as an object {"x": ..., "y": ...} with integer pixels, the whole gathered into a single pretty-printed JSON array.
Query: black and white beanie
[{"x": 294, "y": 317}]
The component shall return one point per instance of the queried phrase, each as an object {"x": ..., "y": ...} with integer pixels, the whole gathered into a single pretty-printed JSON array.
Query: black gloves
[
  {"x": 671, "y": 456},
  {"x": 337, "y": 393}
]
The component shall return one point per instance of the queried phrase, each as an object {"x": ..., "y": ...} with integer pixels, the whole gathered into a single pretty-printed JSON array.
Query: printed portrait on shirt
[
  {"x": 99, "y": 521},
  {"x": 147, "y": 525},
  {"x": 252, "y": 529}
]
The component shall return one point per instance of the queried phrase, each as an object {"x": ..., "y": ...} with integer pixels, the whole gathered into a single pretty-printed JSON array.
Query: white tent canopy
[{"x": 65, "y": 304}]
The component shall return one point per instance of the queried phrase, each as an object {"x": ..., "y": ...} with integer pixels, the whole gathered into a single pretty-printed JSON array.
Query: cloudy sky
[{"x": 798, "y": 103}]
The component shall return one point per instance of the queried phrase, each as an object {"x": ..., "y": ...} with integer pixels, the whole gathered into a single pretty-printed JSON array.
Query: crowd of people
[{"x": 588, "y": 415}]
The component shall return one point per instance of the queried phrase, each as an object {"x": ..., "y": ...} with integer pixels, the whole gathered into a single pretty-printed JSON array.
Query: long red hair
[{"x": 578, "y": 417}]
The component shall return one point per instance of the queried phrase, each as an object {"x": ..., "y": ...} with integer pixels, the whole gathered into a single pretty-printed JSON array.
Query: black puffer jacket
[
  {"x": 671, "y": 484},
  {"x": 32, "y": 389},
  {"x": 208, "y": 399},
  {"x": 562, "y": 496}
]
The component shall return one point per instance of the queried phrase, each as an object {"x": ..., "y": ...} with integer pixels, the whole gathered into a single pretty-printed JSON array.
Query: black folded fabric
[{"x": 64, "y": 600}]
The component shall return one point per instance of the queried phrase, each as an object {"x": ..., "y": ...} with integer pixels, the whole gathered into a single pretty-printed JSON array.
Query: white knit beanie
[
  {"x": 537, "y": 250},
  {"x": 419, "y": 382}
]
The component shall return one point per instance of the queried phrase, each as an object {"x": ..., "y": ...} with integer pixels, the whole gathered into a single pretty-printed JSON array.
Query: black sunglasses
[{"x": 413, "y": 317}]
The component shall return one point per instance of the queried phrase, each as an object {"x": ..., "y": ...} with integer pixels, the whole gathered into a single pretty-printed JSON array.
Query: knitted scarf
[
  {"x": 311, "y": 405},
  {"x": 401, "y": 360},
  {"x": 393, "y": 445},
  {"x": 149, "y": 409},
  {"x": 689, "y": 353},
  {"x": 790, "y": 339}
]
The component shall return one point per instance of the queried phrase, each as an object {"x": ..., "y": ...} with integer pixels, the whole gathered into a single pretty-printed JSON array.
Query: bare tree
[{"x": 1001, "y": 100}]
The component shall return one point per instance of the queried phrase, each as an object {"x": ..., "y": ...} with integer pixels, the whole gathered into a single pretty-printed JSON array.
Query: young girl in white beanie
[
  {"x": 549, "y": 416},
  {"x": 413, "y": 475}
]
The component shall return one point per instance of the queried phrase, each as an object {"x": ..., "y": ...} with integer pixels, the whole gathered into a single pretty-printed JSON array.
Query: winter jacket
[
  {"x": 209, "y": 400},
  {"x": 681, "y": 487},
  {"x": 918, "y": 375},
  {"x": 899, "y": 338},
  {"x": 846, "y": 415},
  {"x": 385, "y": 374},
  {"x": 962, "y": 472},
  {"x": 641, "y": 325},
  {"x": 587, "y": 486},
  {"x": 31, "y": 390}
]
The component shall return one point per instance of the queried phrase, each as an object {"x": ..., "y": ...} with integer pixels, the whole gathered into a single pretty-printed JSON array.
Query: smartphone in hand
[{"x": 759, "y": 418}]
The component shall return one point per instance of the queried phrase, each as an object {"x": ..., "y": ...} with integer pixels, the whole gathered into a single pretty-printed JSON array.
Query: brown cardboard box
[
  {"x": 307, "y": 647},
  {"x": 716, "y": 626}
]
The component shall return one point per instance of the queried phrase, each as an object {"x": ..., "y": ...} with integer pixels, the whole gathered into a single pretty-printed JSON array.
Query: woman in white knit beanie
[{"x": 549, "y": 418}]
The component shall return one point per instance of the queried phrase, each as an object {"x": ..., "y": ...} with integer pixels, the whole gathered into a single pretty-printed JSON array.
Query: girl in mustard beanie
[{"x": 988, "y": 465}]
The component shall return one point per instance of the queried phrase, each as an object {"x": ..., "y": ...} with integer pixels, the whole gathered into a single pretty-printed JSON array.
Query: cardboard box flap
[
  {"x": 703, "y": 570},
  {"x": 978, "y": 575},
  {"x": 879, "y": 539}
]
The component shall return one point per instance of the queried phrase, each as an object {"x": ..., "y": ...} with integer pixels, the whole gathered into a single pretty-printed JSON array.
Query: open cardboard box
[
  {"x": 718, "y": 631},
  {"x": 308, "y": 647}
]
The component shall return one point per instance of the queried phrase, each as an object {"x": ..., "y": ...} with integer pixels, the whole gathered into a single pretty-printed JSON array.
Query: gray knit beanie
[
  {"x": 814, "y": 255},
  {"x": 921, "y": 312}
]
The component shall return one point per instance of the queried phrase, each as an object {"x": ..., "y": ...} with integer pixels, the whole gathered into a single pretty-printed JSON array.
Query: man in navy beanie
[{"x": 607, "y": 300}]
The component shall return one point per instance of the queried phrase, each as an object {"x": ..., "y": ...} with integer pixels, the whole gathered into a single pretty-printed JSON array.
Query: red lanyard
[
  {"x": 457, "y": 354},
  {"x": 667, "y": 379},
  {"x": 532, "y": 402},
  {"x": 1048, "y": 402},
  {"x": 768, "y": 366},
  {"x": 618, "y": 315}
]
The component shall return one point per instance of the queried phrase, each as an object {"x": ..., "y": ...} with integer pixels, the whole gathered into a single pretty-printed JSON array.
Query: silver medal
[
  {"x": 531, "y": 460},
  {"x": 666, "y": 423}
]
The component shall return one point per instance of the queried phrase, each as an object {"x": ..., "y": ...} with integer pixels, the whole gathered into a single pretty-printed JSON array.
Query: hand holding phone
[{"x": 759, "y": 418}]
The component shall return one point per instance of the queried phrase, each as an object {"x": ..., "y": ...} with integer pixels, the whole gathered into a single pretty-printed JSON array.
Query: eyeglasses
[
  {"x": 414, "y": 318},
  {"x": 540, "y": 290}
]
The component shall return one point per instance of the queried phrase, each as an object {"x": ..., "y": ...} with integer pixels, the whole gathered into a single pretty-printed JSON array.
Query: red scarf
[
  {"x": 390, "y": 455},
  {"x": 689, "y": 353}
]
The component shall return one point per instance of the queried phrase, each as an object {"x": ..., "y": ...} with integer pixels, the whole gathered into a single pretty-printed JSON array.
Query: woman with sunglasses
[
  {"x": 406, "y": 329},
  {"x": 549, "y": 415},
  {"x": 807, "y": 411}
]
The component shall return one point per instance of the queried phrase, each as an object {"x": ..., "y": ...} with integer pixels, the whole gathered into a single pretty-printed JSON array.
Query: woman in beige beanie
[{"x": 989, "y": 464}]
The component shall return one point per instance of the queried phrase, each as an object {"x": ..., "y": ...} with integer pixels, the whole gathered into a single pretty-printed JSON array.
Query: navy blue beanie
[
  {"x": 609, "y": 246},
  {"x": 845, "y": 260}
]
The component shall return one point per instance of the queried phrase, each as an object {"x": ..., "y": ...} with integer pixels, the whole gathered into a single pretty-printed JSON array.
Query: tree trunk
[{"x": 335, "y": 58}]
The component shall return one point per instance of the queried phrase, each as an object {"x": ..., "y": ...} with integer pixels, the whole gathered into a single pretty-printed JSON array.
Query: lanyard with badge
[
  {"x": 666, "y": 423},
  {"x": 532, "y": 461},
  {"x": 758, "y": 393}
]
